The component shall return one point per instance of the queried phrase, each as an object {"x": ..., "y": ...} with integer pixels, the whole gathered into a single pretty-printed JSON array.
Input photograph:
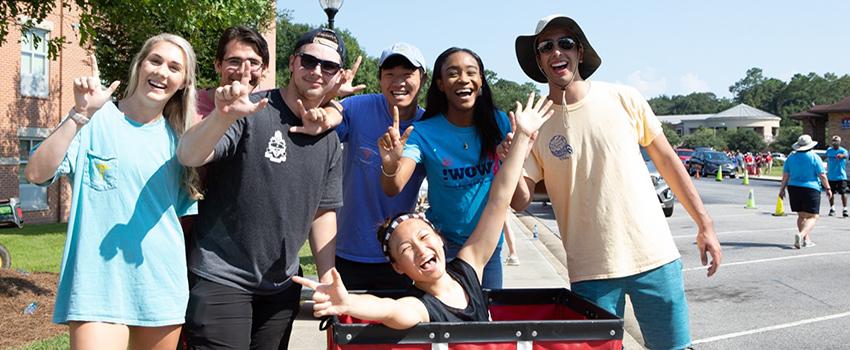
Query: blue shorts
[
  {"x": 492, "y": 276},
  {"x": 658, "y": 298}
]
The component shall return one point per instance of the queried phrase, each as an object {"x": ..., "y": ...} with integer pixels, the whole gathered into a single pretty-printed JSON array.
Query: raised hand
[
  {"x": 530, "y": 118},
  {"x": 233, "y": 101},
  {"x": 331, "y": 299},
  {"x": 391, "y": 145},
  {"x": 344, "y": 86},
  {"x": 314, "y": 120},
  {"x": 89, "y": 95}
]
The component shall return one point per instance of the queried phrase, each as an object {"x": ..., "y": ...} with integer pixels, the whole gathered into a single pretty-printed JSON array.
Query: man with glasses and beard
[
  {"x": 268, "y": 191},
  {"x": 615, "y": 235}
]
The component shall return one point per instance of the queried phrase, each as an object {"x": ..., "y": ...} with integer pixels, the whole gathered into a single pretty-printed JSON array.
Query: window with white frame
[
  {"x": 34, "y": 63},
  {"x": 33, "y": 197}
]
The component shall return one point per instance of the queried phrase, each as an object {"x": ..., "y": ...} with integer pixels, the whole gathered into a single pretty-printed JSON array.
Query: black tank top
[{"x": 476, "y": 308}]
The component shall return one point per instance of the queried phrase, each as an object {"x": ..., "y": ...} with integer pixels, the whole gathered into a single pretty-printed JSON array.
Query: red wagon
[{"x": 523, "y": 319}]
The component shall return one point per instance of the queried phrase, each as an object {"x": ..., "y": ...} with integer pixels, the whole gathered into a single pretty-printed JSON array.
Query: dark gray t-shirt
[{"x": 263, "y": 189}]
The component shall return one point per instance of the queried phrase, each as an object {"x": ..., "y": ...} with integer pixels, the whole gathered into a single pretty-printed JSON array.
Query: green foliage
[
  {"x": 787, "y": 136},
  {"x": 117, "y": 38},
  {"x": 35, "y": 248},
  {"x": 34, "y": 12},
  {"x": 506, "y": 93},
  {"x": 671, "y": 134},
  {"x": 694, "y": 103},
  {"x": 704, "y": 138},
  {"x": 59, "y": 342},
  {"x": 744, "y": 140}
]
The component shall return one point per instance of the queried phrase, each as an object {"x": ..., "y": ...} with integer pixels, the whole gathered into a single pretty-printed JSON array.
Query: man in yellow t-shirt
[{"x": 615, "y": 235}]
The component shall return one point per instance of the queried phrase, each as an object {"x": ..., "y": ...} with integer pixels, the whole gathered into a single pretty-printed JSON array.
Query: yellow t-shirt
[{"x": 607, "y": 210}]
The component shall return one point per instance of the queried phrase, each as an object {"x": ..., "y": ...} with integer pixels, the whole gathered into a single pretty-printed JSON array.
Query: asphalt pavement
[{"x": 767, "y": 294}]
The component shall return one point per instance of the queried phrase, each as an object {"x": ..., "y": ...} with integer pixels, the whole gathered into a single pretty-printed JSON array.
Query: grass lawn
[
  {"x": 35, "y": 248},
  {"x": 59, "y": 342},
  {"x": 308, "y": 264}
]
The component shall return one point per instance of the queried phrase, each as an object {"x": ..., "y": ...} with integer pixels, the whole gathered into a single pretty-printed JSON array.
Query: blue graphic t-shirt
[
  {"x": 365, "y": 119},
  {"x": 835, "y": 166},
  {"x": 458, "y": 178},
  {"x": 803, "y": 169}
]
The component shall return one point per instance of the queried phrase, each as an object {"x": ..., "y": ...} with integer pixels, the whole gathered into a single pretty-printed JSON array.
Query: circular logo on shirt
[{"x": 560, "y": 148}]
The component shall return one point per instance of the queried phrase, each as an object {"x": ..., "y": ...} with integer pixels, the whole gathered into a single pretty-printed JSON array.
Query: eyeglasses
[
  {"x": 565, "y": 43},
  {"x": 309, "y": 62},
  {"x": 235, "y": 63}
]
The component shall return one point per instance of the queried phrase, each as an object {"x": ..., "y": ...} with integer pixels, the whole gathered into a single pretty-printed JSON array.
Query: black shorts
[
  {"x": 838, "y": 186},
  {"x": 804, "y": 199}
]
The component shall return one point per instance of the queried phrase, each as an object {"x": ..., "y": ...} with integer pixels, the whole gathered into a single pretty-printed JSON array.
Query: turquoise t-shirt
[
  {"x": 835, "y": 166},
  {"x": 124, "y": 259},
  {"x": 803, "y": 170},
  {"x": 458, "y": 178}
]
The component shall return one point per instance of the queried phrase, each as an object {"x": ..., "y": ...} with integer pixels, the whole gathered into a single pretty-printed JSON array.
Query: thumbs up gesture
[{"x": 89, "y": 95}]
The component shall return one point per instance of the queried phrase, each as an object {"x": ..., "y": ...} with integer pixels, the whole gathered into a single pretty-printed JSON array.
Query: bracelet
[
  {"x": 78, "y": 117},
  {"x": 385, "y": 172}
]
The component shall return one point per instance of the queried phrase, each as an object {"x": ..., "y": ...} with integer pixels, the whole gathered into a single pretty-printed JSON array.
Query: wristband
[{"x": 78, "y": 117}]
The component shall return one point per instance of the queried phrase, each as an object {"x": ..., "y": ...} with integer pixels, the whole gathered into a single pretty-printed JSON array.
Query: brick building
[
  {"x": 35, "y": 94},
  {"x": 833, "y": 117}
]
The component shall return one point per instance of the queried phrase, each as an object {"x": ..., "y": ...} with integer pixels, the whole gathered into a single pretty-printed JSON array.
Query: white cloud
[
  {"x": 647, "y": 83},
  {"x": 692, "y": 83}
]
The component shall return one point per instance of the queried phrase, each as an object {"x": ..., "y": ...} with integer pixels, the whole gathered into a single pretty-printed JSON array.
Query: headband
[{"x": 397, "y": 221}]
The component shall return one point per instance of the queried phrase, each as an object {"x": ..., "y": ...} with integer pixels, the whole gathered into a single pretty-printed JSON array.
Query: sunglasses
[
  {"x": 309, "y": 62},
  {"x": 566, "y": 43}
]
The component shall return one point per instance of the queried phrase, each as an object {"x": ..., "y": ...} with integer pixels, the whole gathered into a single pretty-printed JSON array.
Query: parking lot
[{"x": 767, "y": 295}]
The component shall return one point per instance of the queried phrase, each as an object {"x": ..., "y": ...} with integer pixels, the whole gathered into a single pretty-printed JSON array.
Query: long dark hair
[{"x": 484, "y": 113}]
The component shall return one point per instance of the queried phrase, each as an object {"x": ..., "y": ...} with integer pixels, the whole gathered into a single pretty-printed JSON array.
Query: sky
[{"x": 670, "y": 47}]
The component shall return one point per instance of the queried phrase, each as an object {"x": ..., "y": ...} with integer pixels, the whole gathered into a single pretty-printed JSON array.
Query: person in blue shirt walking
[
  {"x": 803, "y": 175},
  {"x": 456, "y": 141},
  {"x": 836, "y": 160}
]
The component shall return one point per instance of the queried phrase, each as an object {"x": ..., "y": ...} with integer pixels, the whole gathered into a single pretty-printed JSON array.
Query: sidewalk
[{"x": 538, "y": 269}]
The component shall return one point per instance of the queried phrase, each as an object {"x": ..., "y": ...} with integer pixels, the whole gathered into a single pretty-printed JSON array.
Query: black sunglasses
[
  {"x": 310, "y": 62},
  {"x": 566, "y": 43}
]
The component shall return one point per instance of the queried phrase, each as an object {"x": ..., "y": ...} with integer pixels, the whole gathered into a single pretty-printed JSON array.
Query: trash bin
[{"x": 539, "y": 319}]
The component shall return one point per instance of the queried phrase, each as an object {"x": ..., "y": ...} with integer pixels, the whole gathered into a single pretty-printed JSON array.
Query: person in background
[
  {"x": 836, "y": 173},
  {"x": 803, "y": 175}
]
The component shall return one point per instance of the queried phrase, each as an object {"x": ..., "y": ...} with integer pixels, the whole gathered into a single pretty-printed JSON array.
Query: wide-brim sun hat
[
  {"x": 804, "y": 143},
  {"x": 526, "y": 50}
]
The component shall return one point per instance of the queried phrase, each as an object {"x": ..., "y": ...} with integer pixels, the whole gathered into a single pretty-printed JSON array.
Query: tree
[
  {"x": 25, "y": 15},
  {"x": 671, "y": 134},
  {"x": 694, "y": 103},
  {"x": 704, "y": 138},
  {"x": 787, "y": 136},
  {"x": 744, "y": 140},
  {"x": 507, "y": 92}
]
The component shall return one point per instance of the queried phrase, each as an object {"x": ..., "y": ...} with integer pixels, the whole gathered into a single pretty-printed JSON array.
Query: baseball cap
[
  {"x": 409, "y": 52},
  {"x": 320, "y": 36}
]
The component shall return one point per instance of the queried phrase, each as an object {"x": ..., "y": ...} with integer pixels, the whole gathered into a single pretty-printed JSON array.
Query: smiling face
[
  {"x": 162, "y": 72},
  {"x": 417, "y": 251},
  {"x": 460, "y": 79},
  {"x": 230, "y": 67},
  {"x": 313, "y": 83},
  {"x": 558, "y": 64},
  {"x": 400, "y": 85}
]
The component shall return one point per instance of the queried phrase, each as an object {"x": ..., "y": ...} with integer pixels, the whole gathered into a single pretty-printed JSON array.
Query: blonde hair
[{"x": 180, "y": 110}]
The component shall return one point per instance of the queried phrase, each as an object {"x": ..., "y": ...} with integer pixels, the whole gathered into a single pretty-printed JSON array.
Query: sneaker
[
  {"x": 832, "y": 212},
  {"x": 512, "y": 260},
  {"x": 798, "y": 239},
  {"x": 845, "y": 213},
  {"x": 808, "y": 244}
]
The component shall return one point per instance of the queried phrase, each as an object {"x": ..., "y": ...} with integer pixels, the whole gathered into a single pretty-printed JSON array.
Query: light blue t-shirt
[
  {"x": 124, "y": 259},
  {"x": 804, "y": 169},
  {"x": 834, "y": 165},
  {"x": 365, "y": 119},
  {"x": 458, "y": 178}
]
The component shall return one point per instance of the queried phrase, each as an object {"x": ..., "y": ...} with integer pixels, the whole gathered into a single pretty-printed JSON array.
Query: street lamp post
[{"x": 331, "y": 7}]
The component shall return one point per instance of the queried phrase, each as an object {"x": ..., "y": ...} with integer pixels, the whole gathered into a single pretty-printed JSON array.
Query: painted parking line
[
  {"x": 771, "y": 328},
  {"x": 793, "y": 229},
  {"x": 724, "y": 265}
]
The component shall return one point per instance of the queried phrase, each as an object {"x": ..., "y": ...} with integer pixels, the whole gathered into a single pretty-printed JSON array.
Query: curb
[{"x": 557, "y": 256}]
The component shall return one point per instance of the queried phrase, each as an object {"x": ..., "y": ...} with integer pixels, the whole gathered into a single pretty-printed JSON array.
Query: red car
[{"x": 684, "y": 155}]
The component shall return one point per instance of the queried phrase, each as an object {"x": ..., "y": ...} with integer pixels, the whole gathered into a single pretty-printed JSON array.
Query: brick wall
[{"x": 834, "y": 126}]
